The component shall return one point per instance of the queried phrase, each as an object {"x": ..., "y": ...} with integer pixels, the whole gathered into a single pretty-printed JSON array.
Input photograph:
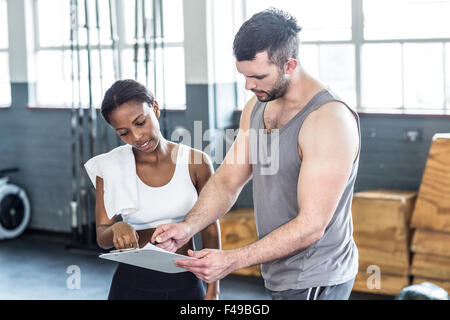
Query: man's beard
[{"x": 279, "y": 89}]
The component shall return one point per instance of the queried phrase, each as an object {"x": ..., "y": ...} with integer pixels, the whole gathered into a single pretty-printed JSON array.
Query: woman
[{"x": 149, "y": 181}]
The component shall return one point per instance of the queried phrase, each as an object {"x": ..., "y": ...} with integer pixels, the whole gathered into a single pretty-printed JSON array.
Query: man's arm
[
  {"x": 329, "y": 143},
  {"x": 219, "y": 193}
]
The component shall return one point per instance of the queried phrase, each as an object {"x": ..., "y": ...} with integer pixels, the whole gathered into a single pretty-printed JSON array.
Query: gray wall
[{"x": 38, "y": 141}]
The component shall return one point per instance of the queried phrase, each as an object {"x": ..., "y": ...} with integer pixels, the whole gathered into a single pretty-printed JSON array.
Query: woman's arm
[
  {"x": 109, "y": 232},
  {"x": 211, "y": 234}
]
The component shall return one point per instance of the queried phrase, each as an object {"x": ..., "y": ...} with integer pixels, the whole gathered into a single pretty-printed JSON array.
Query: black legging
[{"x": 136, "y": 283}]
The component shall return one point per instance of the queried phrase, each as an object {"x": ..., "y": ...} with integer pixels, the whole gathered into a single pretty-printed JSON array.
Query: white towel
[{"x": 117, "y": 168}]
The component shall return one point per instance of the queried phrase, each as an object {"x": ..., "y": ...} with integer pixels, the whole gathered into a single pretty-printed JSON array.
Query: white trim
[
  {"x": 309, "y": 293},
  {"x": 317, "y": 293}
]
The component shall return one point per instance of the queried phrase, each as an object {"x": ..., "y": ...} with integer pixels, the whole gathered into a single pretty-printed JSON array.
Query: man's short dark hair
[{"x": 273, "y": 30}]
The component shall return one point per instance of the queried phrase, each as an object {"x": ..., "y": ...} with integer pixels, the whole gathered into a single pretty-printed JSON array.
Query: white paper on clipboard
[{"x": 149, "y": 257}]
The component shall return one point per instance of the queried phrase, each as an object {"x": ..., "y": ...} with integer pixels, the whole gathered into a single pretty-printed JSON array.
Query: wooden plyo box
[
  {"x": 432, "y": 210},
  {"x": 238, "y": 229},
  {"x": 431, "y": 242},
  {"x": 431, "y": 258},
  {"x": 431, "y": 217},
  {"x": 381, "y": 230},
  {"x": 431, "y": 266}
]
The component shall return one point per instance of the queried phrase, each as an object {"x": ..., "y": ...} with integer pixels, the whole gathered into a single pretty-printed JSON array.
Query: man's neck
[{"x": 301, "y": 89}]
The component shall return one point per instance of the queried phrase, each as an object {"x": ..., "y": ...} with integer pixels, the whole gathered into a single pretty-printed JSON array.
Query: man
[{"x": 302, "y": 209}]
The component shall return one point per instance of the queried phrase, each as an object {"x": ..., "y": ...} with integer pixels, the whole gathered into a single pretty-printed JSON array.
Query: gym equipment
[
  {"x": 102, "y": 124},
  {"x": 422, "y": 291},
  {"x": 146, "y": 44},
  {"x": 136, "y": 38},
  {"x": 14, "y": 207},
  {"x": 74, "y": 130},
  {"x": 87, "y": 136}
]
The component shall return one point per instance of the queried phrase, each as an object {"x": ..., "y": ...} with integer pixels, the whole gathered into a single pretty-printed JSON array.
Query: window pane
[
  {"x": 385, "y": 19},
  {"x": 381, "y": 76},
  {"x": 54, "y": 77},
  {"x": 101, "y": 79},
  {"x": 3, "y": 25},
  {"x": 53, "y": 70},
  {"x": 221, "y": 45},
  {"x": 54, "y": 22},
  {"x": 334, "y": 65},
  {"x": 337, "y": 69},
  {"x": 424, "y": 75},
  {"x": 128, "y": 68},
  {"x": 173, "y": 88},
  {"x": 173, "y": 20},
  {"x": 5, "y": 88},
  {"x": 320, "y": 19},
  {"x": 103, "y": 22},
  {"x": 309, "y": 59},
  {"x": 130, "y": 19}
]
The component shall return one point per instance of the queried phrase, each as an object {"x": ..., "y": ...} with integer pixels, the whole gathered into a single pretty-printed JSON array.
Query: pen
[{"x": 121, "y": 250}]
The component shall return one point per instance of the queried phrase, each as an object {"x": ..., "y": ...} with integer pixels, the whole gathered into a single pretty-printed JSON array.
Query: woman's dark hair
[
  {"x": 123, "y": 91},
  {"x": 273, "y": 30}
]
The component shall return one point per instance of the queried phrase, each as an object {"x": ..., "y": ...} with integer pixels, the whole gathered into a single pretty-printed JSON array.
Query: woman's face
[{"x": 137, "y": 125}]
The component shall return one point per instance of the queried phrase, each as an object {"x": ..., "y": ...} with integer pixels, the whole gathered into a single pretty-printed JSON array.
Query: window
[
  {"x": 405, "y": 55},
  {"x": 165, "y": 75},
  {"x": 62, "y": 64},
  {"x": 379, "y": 56},
  {"x": 5, "y": 87},
  {"x": 326, "y": 49}
]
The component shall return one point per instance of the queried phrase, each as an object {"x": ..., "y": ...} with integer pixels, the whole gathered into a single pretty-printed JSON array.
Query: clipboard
[{"x": 149, "y": 257}]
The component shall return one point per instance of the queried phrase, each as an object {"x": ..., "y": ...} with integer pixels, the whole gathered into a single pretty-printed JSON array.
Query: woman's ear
[{"x": 156, "y": 108}]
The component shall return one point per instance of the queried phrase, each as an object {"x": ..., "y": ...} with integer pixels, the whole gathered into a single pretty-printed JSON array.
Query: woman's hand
[{"x": 124, "y": 236}]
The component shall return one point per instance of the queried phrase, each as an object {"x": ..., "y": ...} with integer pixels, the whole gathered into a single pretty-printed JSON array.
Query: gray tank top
[{"x": 331, "y": 260}]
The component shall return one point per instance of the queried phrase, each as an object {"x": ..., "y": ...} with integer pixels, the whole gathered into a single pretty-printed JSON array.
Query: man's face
[{"x": 263, "y": 77}]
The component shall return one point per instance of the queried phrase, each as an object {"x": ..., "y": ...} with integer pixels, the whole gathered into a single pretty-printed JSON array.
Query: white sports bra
[{"x": 168, "y": 203}]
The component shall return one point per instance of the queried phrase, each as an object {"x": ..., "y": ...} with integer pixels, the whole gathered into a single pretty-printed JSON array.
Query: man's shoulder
[
  {"x": 246, "y": 113},
  {"x": 330, "y": 114},
  {"x": 333, "y": 128}
]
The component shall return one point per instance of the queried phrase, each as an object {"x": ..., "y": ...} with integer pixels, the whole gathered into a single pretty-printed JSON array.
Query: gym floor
[{"x": 36, "y": 266}]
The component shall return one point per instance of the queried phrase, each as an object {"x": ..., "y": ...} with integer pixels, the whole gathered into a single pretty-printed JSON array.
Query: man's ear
[
  {"x": 156, "y": 109},
  {"x": 290, "y": 66}
]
